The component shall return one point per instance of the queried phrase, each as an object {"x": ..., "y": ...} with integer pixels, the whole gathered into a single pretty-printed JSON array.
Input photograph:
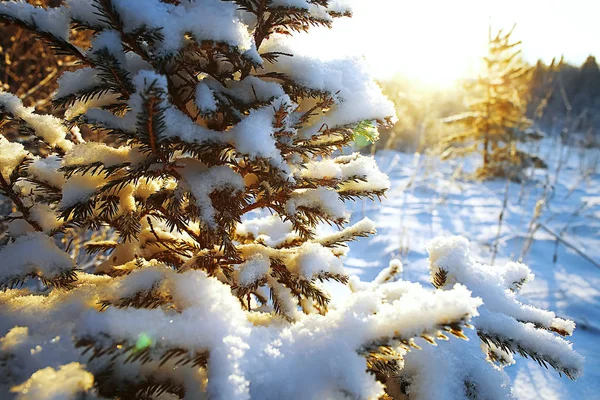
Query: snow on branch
[
  {"x": 47, "y": 261},
  {"x": 505, "y": 322},
  {"x": 48, "y": 128}
]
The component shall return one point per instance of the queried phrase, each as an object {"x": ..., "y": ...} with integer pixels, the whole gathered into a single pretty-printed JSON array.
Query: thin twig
[{"x": 571, "y": 246}]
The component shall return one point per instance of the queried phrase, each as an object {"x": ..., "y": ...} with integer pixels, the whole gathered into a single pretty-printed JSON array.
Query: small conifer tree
[
  {"x": 496, "y": 119},
  {"x": 179, "y": 257}
]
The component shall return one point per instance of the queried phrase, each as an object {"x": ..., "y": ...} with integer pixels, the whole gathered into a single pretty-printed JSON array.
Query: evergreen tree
[
  {"x": 496, "y": 119},
  {"x": 180, "y": 256}
]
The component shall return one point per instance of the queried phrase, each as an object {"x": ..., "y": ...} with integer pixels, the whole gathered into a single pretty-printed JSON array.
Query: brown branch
[{"x": 150, "y": 127}]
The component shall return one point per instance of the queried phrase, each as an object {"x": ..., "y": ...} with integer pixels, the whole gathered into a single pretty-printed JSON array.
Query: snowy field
[{"x": 428, "y": 200}]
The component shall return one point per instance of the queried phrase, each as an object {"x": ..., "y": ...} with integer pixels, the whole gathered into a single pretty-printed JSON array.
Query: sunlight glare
[{"x": 437, "y": 42}]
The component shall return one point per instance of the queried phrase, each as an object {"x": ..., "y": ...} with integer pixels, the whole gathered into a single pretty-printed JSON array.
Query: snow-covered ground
[{"x": 426, "y": 201}]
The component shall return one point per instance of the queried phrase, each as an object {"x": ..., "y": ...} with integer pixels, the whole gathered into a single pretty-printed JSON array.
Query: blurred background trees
[
  {"x": 28, "y": 67},
  {"x": 573, "y": 105}
]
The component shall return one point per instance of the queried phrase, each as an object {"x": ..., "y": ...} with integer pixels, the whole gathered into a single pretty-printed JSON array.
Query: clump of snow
[
  {"x": 362, "y": 228},
  {"x": 312, "y": 259},
  {"x": 360, "y": 166},
  {"x": 302, "y": 4},
  {"x": 358, "y": 98},
  {"x": 254, "y": 136},
  {"x": 564, "y": 326},
  {"x": 79, "y": 188},
  {"x": 453, "y": 256},
  {"x": 346, "y": 169},
  {"x": 71, "y": 82},
  {"x": 110, "y": 120},
  {"x": 392, "y": 272},
  {"x": 84, "y": 10},
  {"x": 11, "y": 155},
  {"x": 322, "y": 169},
  {"x": 205, "y": 98},
  {"x": 205, "y": 20},
  {"x": 321, "y": 199},
  {"x": 111, "y": 41},
  {"x": 47, "y": 127},
  {"x": 87, "y": 153},
  {"x": 253, "y": 269},
  {"x": 340, "y": 6},
  {"x": 19, "y": 258},
  {"x": 137, "y": 281},
  {"x": 66, "y": 383},
  {"x": 19, "y": 227},
  {"x": 127, "y": 200},
  {"x": 423, "y": 310},
  {"x": 45, "y": 216},
  {"x": 539, "y": 341},
  {"x": 270, "y": 230},
  {"x": 147, "y": 187},
  {"x": 250, "y": 89},
  {"x": 202, "y": 181},
  {"x": 52, "y": 20},
  {"x": 180, "y": 126},
  {"x": 14, "y": 337},
  {"x": 46, "y": 170},
  {"x": 516, "y": 274},
  {"x": 145, "y": 79}
]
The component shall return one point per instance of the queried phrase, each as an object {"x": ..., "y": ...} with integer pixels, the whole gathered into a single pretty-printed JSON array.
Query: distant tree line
[{"x": 566, "y": 98}]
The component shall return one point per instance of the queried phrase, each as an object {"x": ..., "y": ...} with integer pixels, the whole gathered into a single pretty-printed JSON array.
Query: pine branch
[
  {"x": 151, "y": 122},
  {"x": 510, "y": 345},
  {"x": 58, "y": 45},
  {"x": 144, "y": 386},
  {"x": 133, "y": 352},
  {"x": 299, "y": 285},
  {"x": 128, "y": 225},
  {"x": 112, "y": 74},
  {"x": 100, "y": 247},
  {"x": 439, "y": 278},
  {"x": 61, "y": 281},
  {"x": 383, "y": 359},
  {"x": 148, "y": 299}
]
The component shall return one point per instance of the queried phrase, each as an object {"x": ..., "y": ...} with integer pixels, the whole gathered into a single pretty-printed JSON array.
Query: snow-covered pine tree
[
  {"x": 204, "y": 270},
  {"x": 496, "y": 117}
]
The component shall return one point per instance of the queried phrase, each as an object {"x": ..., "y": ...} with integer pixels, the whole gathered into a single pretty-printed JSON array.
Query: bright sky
[{"x": 438, "y": 41}]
